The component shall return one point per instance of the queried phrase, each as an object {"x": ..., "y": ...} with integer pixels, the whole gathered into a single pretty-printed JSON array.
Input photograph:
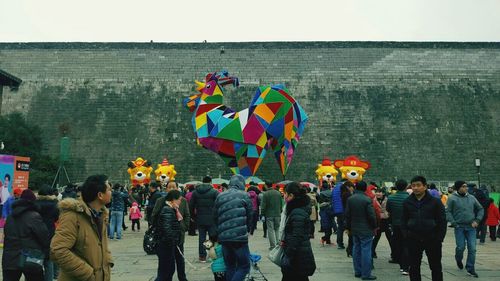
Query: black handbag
[{"x": 150, "y": 242}]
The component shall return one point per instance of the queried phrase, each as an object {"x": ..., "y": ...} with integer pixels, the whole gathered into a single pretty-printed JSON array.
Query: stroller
[{"x": 255, "y": 274}]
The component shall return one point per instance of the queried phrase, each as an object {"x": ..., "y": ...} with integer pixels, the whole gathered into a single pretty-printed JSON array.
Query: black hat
[
  {"x": 458, "y": 184},
  {"x": 207, "y": 179}
]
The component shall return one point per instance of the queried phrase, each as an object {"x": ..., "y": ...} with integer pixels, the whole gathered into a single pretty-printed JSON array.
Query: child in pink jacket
[{"x": 135, "y": 216}]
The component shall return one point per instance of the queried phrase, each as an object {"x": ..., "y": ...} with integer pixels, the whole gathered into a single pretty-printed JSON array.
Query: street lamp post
[{"x": 478, "y": 166}]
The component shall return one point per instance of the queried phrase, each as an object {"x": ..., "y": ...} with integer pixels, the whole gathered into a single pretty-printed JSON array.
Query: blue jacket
[
  {"x": 337, "y": 206},
  {"x": 117, "y": 200},
  {"x": 233, "y": 212}
]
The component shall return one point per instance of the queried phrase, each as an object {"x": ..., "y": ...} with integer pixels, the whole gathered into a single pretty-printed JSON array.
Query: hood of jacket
[
  {"x": 78, "y": 206},
  {"x": 299, "y": 202},
  {"x": 21, "y": 206},
  {"x": 237, "y": 182},
  {"x": 204, "y": 188}
]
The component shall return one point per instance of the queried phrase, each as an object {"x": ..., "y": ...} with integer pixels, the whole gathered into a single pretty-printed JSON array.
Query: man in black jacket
[
  {"x": 47, "y": 204},
  {"x": 154, "y": 194},
  {"x": 201, "y": 208},
  {"x": 24, "y": 229},
  {"x": 424, "y": 225}
]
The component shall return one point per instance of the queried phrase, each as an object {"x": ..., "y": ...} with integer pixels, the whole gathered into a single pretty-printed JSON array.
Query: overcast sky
[{"x": 248, "y": 20}]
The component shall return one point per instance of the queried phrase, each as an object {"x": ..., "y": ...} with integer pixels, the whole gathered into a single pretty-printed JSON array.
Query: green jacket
[
  {"x": 395, "y": 206},
  {"x": 272, "y": 203}
]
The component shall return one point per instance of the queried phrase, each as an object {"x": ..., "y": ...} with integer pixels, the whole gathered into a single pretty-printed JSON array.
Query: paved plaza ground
[{"x": 132, "y": 264}]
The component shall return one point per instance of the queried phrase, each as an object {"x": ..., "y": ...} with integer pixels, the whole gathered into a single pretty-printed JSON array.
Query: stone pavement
[{"x": 132, "y": 264}]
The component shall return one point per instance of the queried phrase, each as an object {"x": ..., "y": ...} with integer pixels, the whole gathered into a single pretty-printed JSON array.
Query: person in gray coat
[
  {"x": 361, "y": 222},
  {"x": 464, "y": 213},
  {"x": 233, "y": 217}
]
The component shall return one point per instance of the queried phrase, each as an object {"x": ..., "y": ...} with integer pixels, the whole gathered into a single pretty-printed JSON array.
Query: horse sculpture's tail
[{"x": 283, "y": 121}]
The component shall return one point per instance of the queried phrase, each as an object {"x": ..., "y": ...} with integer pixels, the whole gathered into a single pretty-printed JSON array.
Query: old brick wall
[{"x": 408, "y": 108}]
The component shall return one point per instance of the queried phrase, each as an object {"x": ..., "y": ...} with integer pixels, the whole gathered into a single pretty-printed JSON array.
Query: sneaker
[
  {"x": 404, "y": 272},
  {"x": 340, "y": 247},
  {"x": 357, "y": 275},
  {"x": 472, "y": 273},
  {"x": 460, "y": 265},
  {"x": 401, "y": 270},
  {"x": 203, "y": 259},
  {"x": 371, "y": 277}
]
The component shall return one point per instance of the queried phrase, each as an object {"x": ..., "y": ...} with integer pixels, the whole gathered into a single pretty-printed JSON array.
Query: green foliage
[{"x": 23, "y": 139}]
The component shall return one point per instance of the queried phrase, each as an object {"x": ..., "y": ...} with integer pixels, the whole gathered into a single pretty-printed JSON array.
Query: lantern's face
[
  {"x": 326, "y": 173},
  {"x": 139, "y": 171},
  {"x": 164, "y": 174},
  {"x": 352, "y": 174}
]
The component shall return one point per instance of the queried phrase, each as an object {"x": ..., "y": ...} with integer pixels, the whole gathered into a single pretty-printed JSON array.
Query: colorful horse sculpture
[{"x": 274, "y": 120}]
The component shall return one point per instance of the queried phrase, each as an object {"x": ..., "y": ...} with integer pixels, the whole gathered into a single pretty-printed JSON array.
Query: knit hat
[
  {"x": 458, "y": 184},
  {"x": 28, "y": 195},
  {"x": 17, "y": 192}
]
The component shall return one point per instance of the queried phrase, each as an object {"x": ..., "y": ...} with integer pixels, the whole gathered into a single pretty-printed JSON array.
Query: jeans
[
  {"x": 255, "y": 219},
  {"x": 292, "y": 276},
  {"x": 327, "y": 221},
  {"x": 237, "y": 259},
  {"x": 466, "y": 234},
  {"x": 166, "y": 262},
  {"x": 180, "y": 264},
  {"x": 362, "y": 255},
  {"x": 116, "y": 224},
  {"x": 400, "y": 250},
  {"x": 202, "y": 236},
  {"x": 136, "y": 222},
  {"x": 493, "y": 232},
  {"x": 49, "y": 270},
  {"x": 384, "y": 227},
  {"x": 273, "y": 226},
  {"x": 15, "y": 275},
  {"x": 340, "y": 229},
  {"x": 433, "y": 250},
  {"x": 481, "y": 232},
  {"x": 264, "y": 226}
]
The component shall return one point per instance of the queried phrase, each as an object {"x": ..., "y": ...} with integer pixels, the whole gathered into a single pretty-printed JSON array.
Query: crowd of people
[{"x": 65, "y": 236}]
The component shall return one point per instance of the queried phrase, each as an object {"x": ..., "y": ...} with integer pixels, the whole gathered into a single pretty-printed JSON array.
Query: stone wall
[{"x": 408, "y": 108}]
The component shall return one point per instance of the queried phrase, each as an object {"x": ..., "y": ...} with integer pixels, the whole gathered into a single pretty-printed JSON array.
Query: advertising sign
[{"x": 14, "y": 172}]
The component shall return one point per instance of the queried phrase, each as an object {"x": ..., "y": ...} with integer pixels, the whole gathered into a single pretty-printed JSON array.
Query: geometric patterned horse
[{"x": 273, "y": 121}]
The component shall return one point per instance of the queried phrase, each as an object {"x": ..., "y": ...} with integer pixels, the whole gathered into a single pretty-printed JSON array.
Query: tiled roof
[{"x": 10, "y": 80}]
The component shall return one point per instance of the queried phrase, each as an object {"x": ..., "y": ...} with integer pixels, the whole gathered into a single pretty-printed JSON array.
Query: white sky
[{"x": 248, "y": 20}]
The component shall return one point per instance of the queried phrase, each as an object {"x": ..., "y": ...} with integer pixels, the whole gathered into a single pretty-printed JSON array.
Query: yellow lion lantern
[
  {"x": 139, "y": 171},
  {"x": 326, "y": 172},
  {"x": 165, "y": 172},
  {"x": 352, "y": 168}
]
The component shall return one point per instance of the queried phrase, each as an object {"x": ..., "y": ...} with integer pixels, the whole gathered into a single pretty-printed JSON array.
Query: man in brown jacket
[{"x": 80, "y": 244}]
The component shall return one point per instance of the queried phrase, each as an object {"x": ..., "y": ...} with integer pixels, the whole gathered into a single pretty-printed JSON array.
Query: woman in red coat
[{"x": 492, "y": 220}]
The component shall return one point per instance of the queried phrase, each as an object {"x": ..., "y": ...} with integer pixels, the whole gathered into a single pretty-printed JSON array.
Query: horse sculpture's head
[{"x": 210, "y": 91}]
